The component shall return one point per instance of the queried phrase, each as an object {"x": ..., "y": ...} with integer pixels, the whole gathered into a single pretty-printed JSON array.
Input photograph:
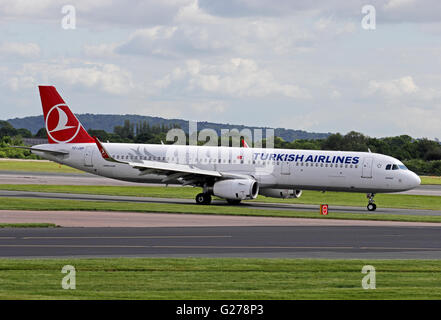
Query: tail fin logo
[{"x": 61, "y": 125}]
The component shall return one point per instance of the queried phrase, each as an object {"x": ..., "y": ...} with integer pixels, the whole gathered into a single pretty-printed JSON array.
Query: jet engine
[
  {"x": 281, "y": 193},
  {"x": 236, "y": 189}
]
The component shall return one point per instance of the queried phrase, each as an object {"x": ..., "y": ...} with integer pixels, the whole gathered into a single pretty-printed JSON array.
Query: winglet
[
  {"x": 103, "y": 151},
  {"x": 244, "y": 143}
]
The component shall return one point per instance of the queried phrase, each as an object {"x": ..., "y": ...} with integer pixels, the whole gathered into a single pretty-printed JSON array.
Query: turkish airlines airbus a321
[{"x": 233, "y": 174}]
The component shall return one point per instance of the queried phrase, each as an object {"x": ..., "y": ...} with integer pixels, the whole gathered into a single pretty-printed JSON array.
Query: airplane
[{"x": 233, "y": 174}]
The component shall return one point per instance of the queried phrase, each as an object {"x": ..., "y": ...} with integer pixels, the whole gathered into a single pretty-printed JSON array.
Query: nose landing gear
[{"x": 371, "y": 205}]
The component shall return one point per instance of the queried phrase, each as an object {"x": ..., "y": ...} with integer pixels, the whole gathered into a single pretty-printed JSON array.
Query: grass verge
[
  {"x": 27, "y": 225},
  {"x": 430, "y": 180},
  {"x": 221, "y": 278},
  {"x": 74, "y": 205},
  {"x": 37, "y": 166},
  {"x": 404, "y": 201}
]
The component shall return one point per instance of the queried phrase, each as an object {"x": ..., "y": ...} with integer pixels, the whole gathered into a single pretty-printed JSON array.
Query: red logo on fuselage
[{"x": 61, "y": 124}]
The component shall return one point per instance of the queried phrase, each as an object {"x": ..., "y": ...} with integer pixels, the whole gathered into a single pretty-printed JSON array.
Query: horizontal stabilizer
[{"x": 53, "y": 152}]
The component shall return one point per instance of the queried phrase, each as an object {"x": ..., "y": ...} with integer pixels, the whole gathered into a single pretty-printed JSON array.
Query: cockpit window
[{"x": 396, "y": 167}]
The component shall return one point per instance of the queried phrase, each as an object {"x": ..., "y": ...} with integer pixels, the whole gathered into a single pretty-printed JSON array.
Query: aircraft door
[
  {"x": 367, "y": 167},
  {"x": 285, "y": 168},
  {"x": 191, "y": 155},
  {"x": 88, "y": 153}
]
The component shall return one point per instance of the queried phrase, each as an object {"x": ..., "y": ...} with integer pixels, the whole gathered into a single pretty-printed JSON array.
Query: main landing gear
[
  {"x": 371, "y": 205},
  {"x": 203, "y": 198}
]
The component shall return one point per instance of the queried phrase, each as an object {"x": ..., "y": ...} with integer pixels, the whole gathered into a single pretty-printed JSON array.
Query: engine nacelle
[
  {"x": 236, "y": 189},
  {"x": 281, "y": 193}
]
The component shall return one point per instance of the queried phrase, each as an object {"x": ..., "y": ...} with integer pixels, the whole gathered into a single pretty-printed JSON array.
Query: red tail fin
[{"x": 61, "y": 124}]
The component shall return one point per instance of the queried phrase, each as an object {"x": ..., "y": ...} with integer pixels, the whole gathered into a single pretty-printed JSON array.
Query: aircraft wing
[{"x": 173, "y": 171}]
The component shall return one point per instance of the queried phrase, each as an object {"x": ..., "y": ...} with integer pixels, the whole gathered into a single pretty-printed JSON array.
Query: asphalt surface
[
  {"x": 265, "y": 241},
  {"x": 246, "y": 204},
  {"x": 154, "y": 219},
  {"x": 198, "y": 236}
]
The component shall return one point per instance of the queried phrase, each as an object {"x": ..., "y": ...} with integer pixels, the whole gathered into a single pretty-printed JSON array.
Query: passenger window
[{"x": 388, "y": 166}]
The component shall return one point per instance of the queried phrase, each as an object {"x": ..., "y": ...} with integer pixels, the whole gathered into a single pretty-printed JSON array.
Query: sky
[{"x": 309, "y": 65}]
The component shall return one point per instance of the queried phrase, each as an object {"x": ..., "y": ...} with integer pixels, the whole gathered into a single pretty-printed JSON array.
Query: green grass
[
  {"x": 223, "y": 278},
  {"x": 38, "y": 166},
  {"x": 27, "y": 225},
  {"x": 308, "y": 197},
  {"x": 74, "y": 205},
  {"x": 430, "y": 180}
]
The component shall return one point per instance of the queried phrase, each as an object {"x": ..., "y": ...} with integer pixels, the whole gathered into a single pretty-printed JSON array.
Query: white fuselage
[{"x": 272, "y": 168}]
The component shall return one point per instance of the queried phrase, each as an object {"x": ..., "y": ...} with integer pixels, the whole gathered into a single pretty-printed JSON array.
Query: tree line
[{"x": 420, "y": 155}]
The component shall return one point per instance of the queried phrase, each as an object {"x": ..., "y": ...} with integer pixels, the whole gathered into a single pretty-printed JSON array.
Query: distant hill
[{"x": 108, "y": 121}]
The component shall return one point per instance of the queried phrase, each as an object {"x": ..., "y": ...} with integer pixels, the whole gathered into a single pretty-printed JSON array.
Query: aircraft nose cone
[
  {"x": 415, "y": 180},
  {"x": 418, "y": 182}
]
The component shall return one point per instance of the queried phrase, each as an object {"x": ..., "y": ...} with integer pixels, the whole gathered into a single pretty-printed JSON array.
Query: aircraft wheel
[
  {"x": 371, "y": 206},
  {"x": 203, "y": 198},
  {"x": 233, "y": 201}
]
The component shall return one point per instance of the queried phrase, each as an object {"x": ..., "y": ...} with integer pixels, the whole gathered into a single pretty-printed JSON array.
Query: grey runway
[
  {"x": 347, "y": 242},
  {"x": 17, "y": 177},
  {"x": 246, "y": 204}
]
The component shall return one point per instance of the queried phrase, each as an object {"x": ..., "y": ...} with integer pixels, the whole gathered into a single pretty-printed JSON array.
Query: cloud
[
  {"x": 104, "y": 50},
  {"x": 147, "y": 13},
  {"x": 388, "y": 11},
  {"x": 393, "y": 88},
  {"x": 237, "y": 77},
  {"x": 208, "y": 107},
  {"x": 241, "y": 8},
  {"x": 137, "y": 12},
  {"x": 224, "y": 36},
  {"x": 26, "y": 50},
  {"x": 108, "y": 78}
]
